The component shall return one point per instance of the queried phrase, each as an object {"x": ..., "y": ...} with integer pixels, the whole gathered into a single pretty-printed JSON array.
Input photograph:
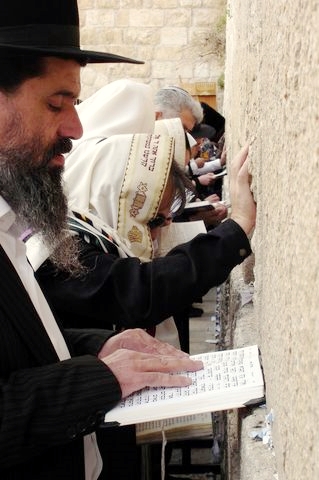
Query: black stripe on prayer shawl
[{"x": 100, "y": 240}]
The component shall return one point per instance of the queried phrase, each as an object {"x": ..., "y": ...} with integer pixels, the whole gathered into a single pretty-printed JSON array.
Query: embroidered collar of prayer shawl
[
  {"x": 121, "y": 181},
  {"x": 174, "y": 128}
]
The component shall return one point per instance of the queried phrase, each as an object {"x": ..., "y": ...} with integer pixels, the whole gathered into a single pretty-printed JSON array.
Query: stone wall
[
  {"x": 272, "y": 99},
  {"x": 180, "y": 41}
]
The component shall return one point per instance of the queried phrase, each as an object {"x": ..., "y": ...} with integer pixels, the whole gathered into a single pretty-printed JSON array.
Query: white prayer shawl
[
  {"x": 122, "y": 184},
  {"x": 107, "y": 173},
  {"x": 174, "y": 128},
  {"x": 123, "y": 106}
]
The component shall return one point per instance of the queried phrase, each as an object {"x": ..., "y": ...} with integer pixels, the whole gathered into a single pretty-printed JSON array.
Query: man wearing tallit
[{"x": 118, "y": 180}]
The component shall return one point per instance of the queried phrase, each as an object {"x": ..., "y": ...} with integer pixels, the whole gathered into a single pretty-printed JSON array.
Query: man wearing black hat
[{"x": 56, "y": 385}]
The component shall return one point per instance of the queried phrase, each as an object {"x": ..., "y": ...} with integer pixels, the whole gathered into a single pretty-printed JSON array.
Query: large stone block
[
  {"x": 128, "y": 4},
  {"x": 100, "y": 17},
  {"x": 178, "y": 17},
  {"x": 141, "y": 36},
  {"x": 122, "y": 18},
  {"x": 84, "y": 4},
  {"x": 166, "y": 4},
  {"x": 173, "y": 36},
  {"x": 191, "y": 3},
  {"x": 176, "y": 53},
  {"x": 205, "y": 17},
  {"x": 99, "y": 37},
  {"x": 163, "y": 69},
  {"x": 146, "y": 17},
  {"x": 158, "y": 32},
  {"x": 112, "y": 4}
]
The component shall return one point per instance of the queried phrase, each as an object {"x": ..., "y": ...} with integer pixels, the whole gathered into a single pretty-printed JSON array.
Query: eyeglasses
[{"x": 158, "y": 221}]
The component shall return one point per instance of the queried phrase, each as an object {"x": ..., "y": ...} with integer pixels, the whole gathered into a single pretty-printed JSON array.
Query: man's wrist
[{"x": 245, "y": 223}]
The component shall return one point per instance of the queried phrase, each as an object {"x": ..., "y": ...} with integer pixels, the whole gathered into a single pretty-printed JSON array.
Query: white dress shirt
[
  {"x": 10, "y": 234},
  {"x": 209, "y": 166}
]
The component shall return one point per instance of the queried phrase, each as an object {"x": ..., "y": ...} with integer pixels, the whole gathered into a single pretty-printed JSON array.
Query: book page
[
  {"x": 223, "y": 370},
  {"x": 229, "y": 379},
  {"x": 177, "y": 428},
  {"x": 177, "y": 233},
  {"x": 221, "y": 174}
]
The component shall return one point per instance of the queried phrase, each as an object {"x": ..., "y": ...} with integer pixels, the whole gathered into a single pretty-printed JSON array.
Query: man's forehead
[
  {"x": 64, "y": 76},
  {"x": 188, "y": 119}
]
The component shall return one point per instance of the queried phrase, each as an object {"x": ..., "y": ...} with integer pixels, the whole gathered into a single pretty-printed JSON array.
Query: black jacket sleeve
[
  {"x": 46, "y": 405},
  {"x": 51, "y": 405},
  {"x": 88, "y": 341},
  {"x": 128, "y": 293}
]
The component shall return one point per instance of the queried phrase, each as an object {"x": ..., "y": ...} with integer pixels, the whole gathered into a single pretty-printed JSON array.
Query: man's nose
[
  {"x": 71, "y": 126},
  {"x": 168, "y": 221}
]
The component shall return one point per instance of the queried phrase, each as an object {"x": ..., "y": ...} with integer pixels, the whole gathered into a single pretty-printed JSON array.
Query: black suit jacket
[
  {"x": 134, "y": 294},
  {"x": 46, "y": 406}
]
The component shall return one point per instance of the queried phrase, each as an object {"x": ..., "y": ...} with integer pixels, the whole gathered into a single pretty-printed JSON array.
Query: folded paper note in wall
[{"x": 229, "y": 379}]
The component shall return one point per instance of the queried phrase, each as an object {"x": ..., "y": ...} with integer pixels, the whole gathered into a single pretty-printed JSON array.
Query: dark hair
[
  {"x": 187, "y": 144},
  {"x": 181, "y": 183},
  {"x": 213, "y": 118},
  {"x": 16, "y": 69}
]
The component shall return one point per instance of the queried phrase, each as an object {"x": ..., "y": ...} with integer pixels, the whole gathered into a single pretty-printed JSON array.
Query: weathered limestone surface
[
  {"x": 172, "y": 37},
  {"x": 272, "y": 97}
]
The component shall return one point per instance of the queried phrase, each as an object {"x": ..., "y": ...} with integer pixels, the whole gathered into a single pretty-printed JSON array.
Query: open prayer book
[
  {"x": 229, "y": 379},
  {"x": 198, "y": 206}
]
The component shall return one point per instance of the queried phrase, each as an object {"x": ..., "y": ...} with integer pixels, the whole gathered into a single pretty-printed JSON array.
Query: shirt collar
[{"x": 7, "y": 215}]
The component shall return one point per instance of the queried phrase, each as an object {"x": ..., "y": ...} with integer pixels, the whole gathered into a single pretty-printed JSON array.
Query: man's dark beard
[{"x": 35, "y": 194}]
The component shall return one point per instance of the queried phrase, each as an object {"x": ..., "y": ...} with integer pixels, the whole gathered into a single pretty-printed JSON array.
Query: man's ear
[{"x": 158, "y": 115}]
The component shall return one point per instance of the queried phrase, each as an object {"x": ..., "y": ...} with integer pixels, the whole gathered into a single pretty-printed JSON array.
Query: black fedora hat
[{"x": 47, "y": 27}]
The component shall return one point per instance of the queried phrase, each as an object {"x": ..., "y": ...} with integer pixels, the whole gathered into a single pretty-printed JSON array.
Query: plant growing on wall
[
  {"x": 217, "y": 38},
  {"x": 221, "y": 81},
  {"x": 211, "y": 42}
]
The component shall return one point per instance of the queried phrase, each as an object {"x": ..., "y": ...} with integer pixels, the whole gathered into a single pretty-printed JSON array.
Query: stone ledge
[
  {"x": 257, "y": 460},
  {"x": 245, "y": 458}
]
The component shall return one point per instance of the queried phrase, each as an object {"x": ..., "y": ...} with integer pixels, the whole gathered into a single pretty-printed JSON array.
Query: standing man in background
[{"x": 173, "y": 102}]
